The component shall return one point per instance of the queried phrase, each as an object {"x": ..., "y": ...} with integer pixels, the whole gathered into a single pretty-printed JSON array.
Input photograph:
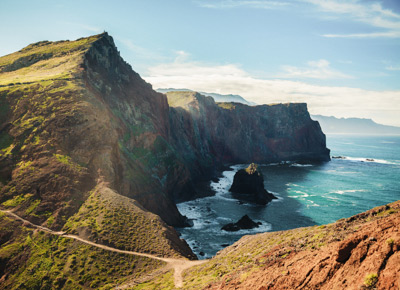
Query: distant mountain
[
  {"x": 354, "y": 126},
  {"x": 217, "y": 97}
]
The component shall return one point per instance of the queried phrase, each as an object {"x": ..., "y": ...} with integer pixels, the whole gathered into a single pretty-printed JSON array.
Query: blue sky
[{"x": 341, "y": 57}]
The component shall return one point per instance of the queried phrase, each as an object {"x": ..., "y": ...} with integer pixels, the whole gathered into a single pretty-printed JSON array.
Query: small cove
[{"x": 307, "y": 194}]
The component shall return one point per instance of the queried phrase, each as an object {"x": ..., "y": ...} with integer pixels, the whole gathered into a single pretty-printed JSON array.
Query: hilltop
[{"x": 220, "y": 98}]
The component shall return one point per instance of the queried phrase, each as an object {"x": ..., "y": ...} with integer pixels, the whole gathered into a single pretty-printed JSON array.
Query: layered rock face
[
  {"x": 237, "y": 133},
  {"x": 248, "y": 185}
]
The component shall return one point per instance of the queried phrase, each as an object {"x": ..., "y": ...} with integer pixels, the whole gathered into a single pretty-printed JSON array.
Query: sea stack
[{"x": 248, "y": 185}]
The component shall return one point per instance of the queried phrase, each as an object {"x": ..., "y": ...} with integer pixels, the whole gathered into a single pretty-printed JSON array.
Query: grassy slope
[
  {"x": 111, "y": 219},
  {"x": 31, "y": 146},
  {"x": 181, "y": 99},
  {"x": 41, "y": 94},
  {"x": 38, "y": 87},
  {"x": 36, "y": 260},
  {"x": 43, "y": 61}
]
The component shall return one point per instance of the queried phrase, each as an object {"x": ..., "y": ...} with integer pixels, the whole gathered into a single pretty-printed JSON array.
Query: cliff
[
  {"x": 237, "y": 133},
  {"x": 87, "y": 147}
]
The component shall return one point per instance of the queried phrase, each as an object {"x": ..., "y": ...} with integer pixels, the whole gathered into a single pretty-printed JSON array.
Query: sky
[{"x": 340, "y": 57}]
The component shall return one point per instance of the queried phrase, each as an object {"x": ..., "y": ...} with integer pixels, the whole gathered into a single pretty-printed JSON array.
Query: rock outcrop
[
  {"x": 248, "y": 185},
  {"x": 360, "y": 252},
  {"x": 245, "y": 223}
]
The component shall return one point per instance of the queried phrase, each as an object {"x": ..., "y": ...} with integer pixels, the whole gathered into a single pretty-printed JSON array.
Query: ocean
[{"x": 366, "y": 175}]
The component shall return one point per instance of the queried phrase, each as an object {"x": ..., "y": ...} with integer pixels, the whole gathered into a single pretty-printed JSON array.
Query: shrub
[
  {"x": 370, "y": 280},
  {"x": 390, "y": 241}
]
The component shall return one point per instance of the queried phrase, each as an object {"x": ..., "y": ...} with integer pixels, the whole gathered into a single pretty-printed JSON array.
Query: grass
[
  {"x": 51, "y": 262},
  {"x": 64, "y": 159},
  {"x": 227, "y": 106},
  {"x": 371, "y": 280},
  {"x": 43, "y": 60},
  {"x": 164, "y": 282},
  {"x": 118, "y": 221},
  {"x": 17, "y": 200},
  {"x": 390, "y": 241},
  {"x": 180, "y": 98}
]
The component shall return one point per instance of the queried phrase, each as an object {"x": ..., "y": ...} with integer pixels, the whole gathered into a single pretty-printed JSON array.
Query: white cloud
[
  {"x": 369, "y": 13},
  {"x": 140, "y": 52},
  {"x": 389, "y": 34},
  {"x": 382, "y": 106},
  {"x": 242, "y": 3},
  {"x": 393, "y": 67},
  {"x": 319, "y": 69}
]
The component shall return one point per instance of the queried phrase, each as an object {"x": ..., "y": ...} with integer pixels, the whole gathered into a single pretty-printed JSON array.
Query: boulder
[
  {"x": 248, "y": 185},
  {"x": 245, "y": 223}
]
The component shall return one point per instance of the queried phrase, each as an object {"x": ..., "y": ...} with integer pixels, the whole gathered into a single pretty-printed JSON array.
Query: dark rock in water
[
  {"x": 225, "y": 245},
  {"x": 248, "y": 185},
  {"x": 245, "y": 223},
  {"x": 370, "y": 159},
  {"x": 201, "y": 254},
  {"x": 338, "y": 157}
]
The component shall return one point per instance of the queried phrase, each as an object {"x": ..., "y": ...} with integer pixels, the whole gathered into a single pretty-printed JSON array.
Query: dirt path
[{"x": 179, "y": 265}]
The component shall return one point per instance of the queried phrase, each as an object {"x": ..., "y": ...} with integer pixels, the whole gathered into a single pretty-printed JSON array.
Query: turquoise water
[{"x": 368, "y": 175}]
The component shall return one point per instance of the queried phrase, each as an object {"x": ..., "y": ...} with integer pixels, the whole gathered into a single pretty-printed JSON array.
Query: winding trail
[{"x": 179, "y": 265}]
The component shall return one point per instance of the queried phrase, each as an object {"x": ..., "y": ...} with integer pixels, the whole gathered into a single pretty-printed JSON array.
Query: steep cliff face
[
  {"x": 216, "y": 133},
  {"x": 237, "y": 133},
  {"x": 141, "y": 162}
]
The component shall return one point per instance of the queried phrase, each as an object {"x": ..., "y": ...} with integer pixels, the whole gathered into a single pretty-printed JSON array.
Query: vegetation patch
[
  {"x": 64, "y": 159},
  {"x": 227, "y": 106},
  {"x": 56, "y": 262},
  {"x": 106, "y": 214},
  {"x": 371, "y": 280},
  {"x": 164, "y": 282},
  {"x": 17, "y": 200}
]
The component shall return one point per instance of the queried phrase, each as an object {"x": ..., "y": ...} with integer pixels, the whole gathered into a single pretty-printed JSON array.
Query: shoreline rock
[
  {"x": 248, "y": 185},
  {"x": 245, "y": 223}
]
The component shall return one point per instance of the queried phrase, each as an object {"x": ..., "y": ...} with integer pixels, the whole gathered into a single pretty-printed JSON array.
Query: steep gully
[{"x": 179, "y": 265}]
